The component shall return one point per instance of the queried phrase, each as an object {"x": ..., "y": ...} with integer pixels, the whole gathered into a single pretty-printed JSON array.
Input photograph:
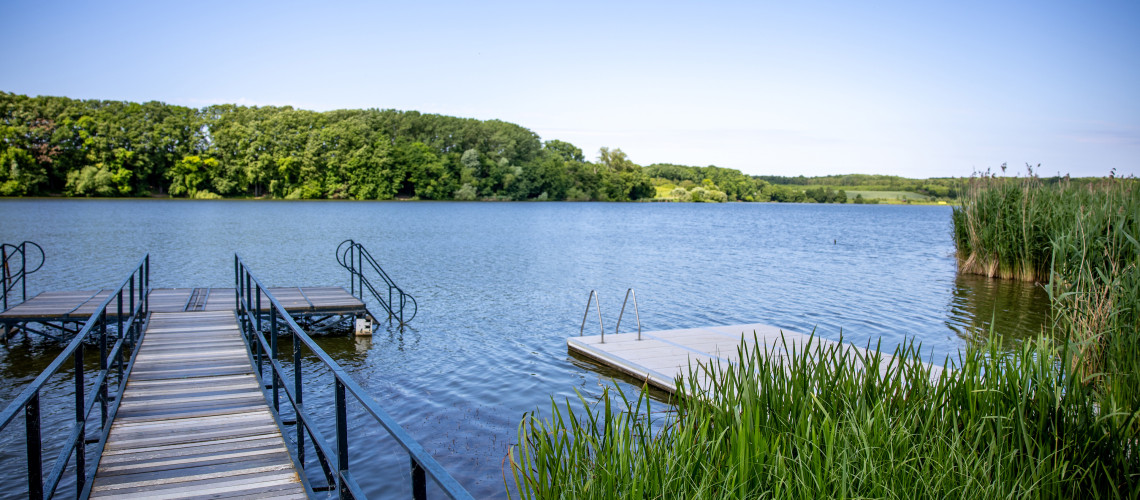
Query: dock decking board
[
  {"x": 661, "y": 356},
  {"x": 193, "y": 422}
]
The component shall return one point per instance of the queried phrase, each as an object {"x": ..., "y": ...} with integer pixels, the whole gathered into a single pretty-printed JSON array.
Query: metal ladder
[
  {"x": 594, "y": 295},
  {"x": 354, "y": 257},
  {"x": 17, "y": 256}
]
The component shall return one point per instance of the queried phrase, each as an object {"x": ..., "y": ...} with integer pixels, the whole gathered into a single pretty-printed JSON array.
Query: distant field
[{"x": 887, "y": 195}]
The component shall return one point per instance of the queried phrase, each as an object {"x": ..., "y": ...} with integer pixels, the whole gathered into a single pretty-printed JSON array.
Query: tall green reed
[
  {"x": 825, "y": 420},
  {"x": 1005, "y": 227}
]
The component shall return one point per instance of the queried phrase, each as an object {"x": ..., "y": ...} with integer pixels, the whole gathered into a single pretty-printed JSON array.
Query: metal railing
[
  {"x": 353, "y": 257},
  {"x": 123, "y": 341},
  {"x": 593, "y": 295},
  {"x": 333, "y": 460},
  {"x": 597, "y": 302},
  {"x": 17, "y": 255},
  {"x": 636, "y": 314}
]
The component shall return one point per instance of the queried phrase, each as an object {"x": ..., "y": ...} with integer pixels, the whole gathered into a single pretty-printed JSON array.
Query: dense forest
[{"x": 57, "y": 145}]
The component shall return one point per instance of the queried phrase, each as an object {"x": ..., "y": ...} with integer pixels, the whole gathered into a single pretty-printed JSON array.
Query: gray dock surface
[
  {"x": 193, "y": 422},
  {"x": 661, "y": 356},
  {"x": 77, "y": 306}
]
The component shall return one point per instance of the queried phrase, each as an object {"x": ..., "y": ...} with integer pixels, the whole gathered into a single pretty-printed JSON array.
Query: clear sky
[{"x": 918, "y": 89}]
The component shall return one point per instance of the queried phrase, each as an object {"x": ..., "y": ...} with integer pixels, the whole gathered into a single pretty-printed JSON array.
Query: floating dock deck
[
  {"x": 659, "y": 357},
  {"x": 77, "y": 306},
  {"x": 193, "y": 421}
]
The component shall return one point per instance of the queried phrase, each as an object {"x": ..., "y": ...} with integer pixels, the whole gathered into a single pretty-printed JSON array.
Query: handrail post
[
  {"x": 257, "y": 309},
  {"x": 297, "y": 386},
  {"x": 144, "y": 289},
  {"x": 24, "y": 270},
  {"x": 237, "y": 289},
  {"x": 102, "y": 365},
  {"x": 119, "y": 310},
  {"x": 4, "y": 280},
  {"x": 132, "y": 294},
  {"x": 272, "y": 357},
  {"x": 34, "y": 445},
  {"x": 81, "y": 420},
  {"x": 341, "y": 438},
  {"x": 419, "y": 481},
  {"x": 121, "y": 334}
]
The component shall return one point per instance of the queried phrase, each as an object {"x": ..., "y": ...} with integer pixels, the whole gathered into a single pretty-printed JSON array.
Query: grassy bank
[{"x": 1059, "y": 417}]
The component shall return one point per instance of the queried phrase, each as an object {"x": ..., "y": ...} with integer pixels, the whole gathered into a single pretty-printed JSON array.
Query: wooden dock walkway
[
  {"x": 193, "y": 422},
  {"x": 661, "y": 356}
]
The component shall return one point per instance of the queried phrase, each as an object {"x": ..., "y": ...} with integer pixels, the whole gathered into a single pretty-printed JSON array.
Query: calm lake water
[{"x": 501, "y": 285}]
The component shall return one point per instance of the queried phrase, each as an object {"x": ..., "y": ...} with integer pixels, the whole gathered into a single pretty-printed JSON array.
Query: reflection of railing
[
  {"x": 126, "y": 340},
  {"x": 264, "y": 351},
  {"x": 17, "y": 255},
  {"x": 353, "y": 257}
]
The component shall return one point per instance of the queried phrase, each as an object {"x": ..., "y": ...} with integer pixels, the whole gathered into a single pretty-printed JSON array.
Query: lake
[{"x": 501, "y": 285}]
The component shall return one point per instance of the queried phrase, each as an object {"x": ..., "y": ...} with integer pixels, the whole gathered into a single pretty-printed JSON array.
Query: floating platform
[
  {"x": 659, "y": 357},
  {"x": 77, "y": 306},
  {"x": 193, "y": 421}
]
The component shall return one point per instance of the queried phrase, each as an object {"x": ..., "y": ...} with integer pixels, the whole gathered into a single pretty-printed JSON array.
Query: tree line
[{"x": 57, "y": 145}]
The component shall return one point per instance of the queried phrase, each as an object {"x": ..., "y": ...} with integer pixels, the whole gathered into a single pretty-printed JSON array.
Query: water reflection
[{"x": 981, "y": 306}]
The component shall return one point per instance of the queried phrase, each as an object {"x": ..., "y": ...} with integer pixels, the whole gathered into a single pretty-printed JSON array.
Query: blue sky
[{"x": 906, "y": 88}]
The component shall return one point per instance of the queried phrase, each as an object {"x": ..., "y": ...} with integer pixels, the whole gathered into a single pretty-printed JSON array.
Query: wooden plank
[
  {"x": 169, "y": 299},
  {"x": 152, "y": 453},
  {"x": 245, "y": 483},
  {"x": 178, "y": 448},
  {"x": 193, "y": 421}
]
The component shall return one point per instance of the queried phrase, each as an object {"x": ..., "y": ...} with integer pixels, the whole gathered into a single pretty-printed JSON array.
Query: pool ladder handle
[{"x": 597, "y": 302}]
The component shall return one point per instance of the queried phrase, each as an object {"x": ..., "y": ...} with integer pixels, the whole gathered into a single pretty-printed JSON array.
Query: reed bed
[
  {"x": 1005, "y": 227},
  {"x": 1080, "y": 238},
  {"x": 828, "y": 421}
]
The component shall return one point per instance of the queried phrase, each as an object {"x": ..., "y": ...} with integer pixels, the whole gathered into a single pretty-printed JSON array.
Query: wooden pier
[
  {"x": 659, "y": 357},
  {"x": 177, "y": 408},
  {"x": 193, "y": 422}
]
